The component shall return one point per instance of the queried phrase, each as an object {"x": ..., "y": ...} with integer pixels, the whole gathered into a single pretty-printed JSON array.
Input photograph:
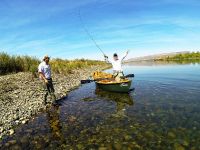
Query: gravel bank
[{"x": 21, "y": 95}]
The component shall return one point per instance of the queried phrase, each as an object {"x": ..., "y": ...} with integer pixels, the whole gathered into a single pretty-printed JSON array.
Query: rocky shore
[{"x": 21, "y": 95}]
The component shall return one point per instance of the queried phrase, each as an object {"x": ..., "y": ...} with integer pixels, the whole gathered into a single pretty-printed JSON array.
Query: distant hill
[{"x": 157, "y": 56}]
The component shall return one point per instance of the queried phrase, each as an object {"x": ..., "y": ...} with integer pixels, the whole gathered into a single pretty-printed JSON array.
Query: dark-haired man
[{"x": 117, "y": 65}]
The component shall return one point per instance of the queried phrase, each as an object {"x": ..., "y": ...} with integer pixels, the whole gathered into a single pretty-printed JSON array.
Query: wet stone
[
  {"x": 90, "y": 125},
  {"x": 12, "y": 142},
  {"x": 171, "y": 135},
  {"x": 11, "y": 131},
  {"x": 24, "y": 121},
  {"x": 102, "y": 148}
]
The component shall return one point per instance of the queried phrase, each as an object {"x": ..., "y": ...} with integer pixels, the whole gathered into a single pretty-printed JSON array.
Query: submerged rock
[
  {"x": 12, "y": 142},
  {"x": 22, "y": 96},
  {"x": 171, "y": 135}
]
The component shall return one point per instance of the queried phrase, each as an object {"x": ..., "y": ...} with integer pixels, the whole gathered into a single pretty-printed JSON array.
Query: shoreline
[
  {"x": 21, "y": 95},
  {"x": 165, "y": 60}
]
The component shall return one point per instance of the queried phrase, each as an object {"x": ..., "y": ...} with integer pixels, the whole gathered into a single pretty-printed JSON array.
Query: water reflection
[
  {"x": 122, "y": 100},
  {"x": 53, "y": 114},
  {"x": 158, "y": 63},
  {"x": 162, "y": 113}
]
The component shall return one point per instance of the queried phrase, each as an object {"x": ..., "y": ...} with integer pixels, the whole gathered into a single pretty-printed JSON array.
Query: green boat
[{"x": 112, "y": 86}]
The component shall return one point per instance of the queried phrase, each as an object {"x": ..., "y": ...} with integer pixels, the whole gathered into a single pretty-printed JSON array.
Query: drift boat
[
  {"x": 113, "y": 86},
  {"x": 107, "y": 82}
]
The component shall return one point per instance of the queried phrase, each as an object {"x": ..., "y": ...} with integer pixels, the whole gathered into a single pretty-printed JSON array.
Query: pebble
[
  {"x": 171, "y": 135},
  {"x": 7, "y": 144},
  {"x": 118, "y": 146},
  {"x": 102, "y": 148},
  {"x": 24, "y": 121},
  {"x": 1, "y": 129},
  {"x": 17, "y": 121},
  {"x": 127, "y": 137},
  {"x": 22, "y": 98},
  {"x": 12, "y": 142},
  {"x": 11, "y": 131},
  {"x": 72, "y": 119},
  {"x": 24, "y": 140}
]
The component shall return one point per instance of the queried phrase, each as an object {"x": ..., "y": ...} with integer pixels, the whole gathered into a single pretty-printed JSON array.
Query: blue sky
[{"x": 39, "y": 27}]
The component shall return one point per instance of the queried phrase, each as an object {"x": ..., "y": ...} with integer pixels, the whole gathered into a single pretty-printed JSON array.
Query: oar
[
  {"x": 89, "y": 81},
  {"x": 86, "y": 81},
  {"x": 130, "y": 76}
]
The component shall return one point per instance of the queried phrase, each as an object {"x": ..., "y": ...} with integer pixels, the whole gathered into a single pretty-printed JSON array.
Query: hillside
[{"x": 164, "y": 56}]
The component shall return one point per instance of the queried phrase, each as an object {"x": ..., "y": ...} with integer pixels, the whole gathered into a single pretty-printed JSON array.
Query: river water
[{"x": 162, "y": 112}]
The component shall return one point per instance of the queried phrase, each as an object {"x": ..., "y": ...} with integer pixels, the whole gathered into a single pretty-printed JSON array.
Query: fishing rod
[{"x": 88, "y": 33}]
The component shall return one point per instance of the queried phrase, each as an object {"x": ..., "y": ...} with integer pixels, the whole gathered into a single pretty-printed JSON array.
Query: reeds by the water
[
  {"x": 65, "y": 66},
  {"x": 13, "y": 64}
]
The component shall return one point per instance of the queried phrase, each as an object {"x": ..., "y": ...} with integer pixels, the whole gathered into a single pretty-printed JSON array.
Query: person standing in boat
[
  {"x": 44, "y": 71},
  {"x": 117, "y": 65}
]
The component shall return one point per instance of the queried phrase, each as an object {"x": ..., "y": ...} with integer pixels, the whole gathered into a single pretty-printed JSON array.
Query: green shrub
[
  {"x": 187, "y": 56},
  {"x": 13, "y": 64}
]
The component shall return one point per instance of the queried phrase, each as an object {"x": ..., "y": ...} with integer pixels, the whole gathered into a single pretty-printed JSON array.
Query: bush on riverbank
[
  {"x": 65, "y": 66},
  {"x": 187, "y": 56},
  {"x": 193, "y": 55},
  {"x": 13, "y": 64}
]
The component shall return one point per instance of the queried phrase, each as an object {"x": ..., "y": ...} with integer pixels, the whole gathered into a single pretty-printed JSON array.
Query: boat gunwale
[{"x": 113, "y": 83}]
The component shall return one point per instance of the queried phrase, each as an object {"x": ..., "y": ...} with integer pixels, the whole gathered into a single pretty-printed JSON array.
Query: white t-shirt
[
  {"x": 117, "y": 64},
  {"x": 45, "y": 69}
]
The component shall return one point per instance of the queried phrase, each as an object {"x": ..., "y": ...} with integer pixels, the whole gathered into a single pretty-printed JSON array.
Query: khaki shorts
[{"x": 118, "y": 76}]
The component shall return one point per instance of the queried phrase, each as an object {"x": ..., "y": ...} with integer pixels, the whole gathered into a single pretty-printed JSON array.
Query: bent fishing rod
[{"x": 88, "y": 33}]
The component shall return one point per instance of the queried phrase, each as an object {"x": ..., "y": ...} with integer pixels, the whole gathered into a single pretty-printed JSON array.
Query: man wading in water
[
  {"x": 44, "y": 70},
  {"x": 117, "y": 65}
]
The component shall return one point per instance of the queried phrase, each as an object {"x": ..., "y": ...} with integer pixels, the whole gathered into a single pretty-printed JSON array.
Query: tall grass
[
  {"x": 13, "y": 64},
  {"x": 65, "y": 66}
]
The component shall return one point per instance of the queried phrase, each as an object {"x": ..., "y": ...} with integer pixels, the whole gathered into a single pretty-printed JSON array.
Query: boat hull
[{"x": 122, "y": 87}]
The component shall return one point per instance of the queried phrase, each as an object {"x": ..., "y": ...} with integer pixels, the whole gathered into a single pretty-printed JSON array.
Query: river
[{"x": 162, "y": 112}]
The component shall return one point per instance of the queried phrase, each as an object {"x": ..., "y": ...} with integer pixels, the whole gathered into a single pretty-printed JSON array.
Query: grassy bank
[
  {"x": 10, "y": 64},
  {"x": 187, "y": 56},
  {"x": 14, "y": 64},
  {"x": 65, "y": 66}
]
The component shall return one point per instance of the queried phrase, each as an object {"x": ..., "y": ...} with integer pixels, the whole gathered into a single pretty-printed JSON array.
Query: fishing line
[{"x": 88, "y": 33}]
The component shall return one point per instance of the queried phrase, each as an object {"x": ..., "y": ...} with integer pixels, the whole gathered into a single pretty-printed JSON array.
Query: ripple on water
[{"x": 161, "y": 113}]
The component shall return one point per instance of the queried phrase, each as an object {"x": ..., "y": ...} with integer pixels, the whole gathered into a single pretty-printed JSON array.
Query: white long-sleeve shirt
[{"x": 117, "y": 64}]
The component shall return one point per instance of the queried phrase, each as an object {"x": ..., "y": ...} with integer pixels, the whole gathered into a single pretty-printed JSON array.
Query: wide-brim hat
[{"x": 45, "y": 57}]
